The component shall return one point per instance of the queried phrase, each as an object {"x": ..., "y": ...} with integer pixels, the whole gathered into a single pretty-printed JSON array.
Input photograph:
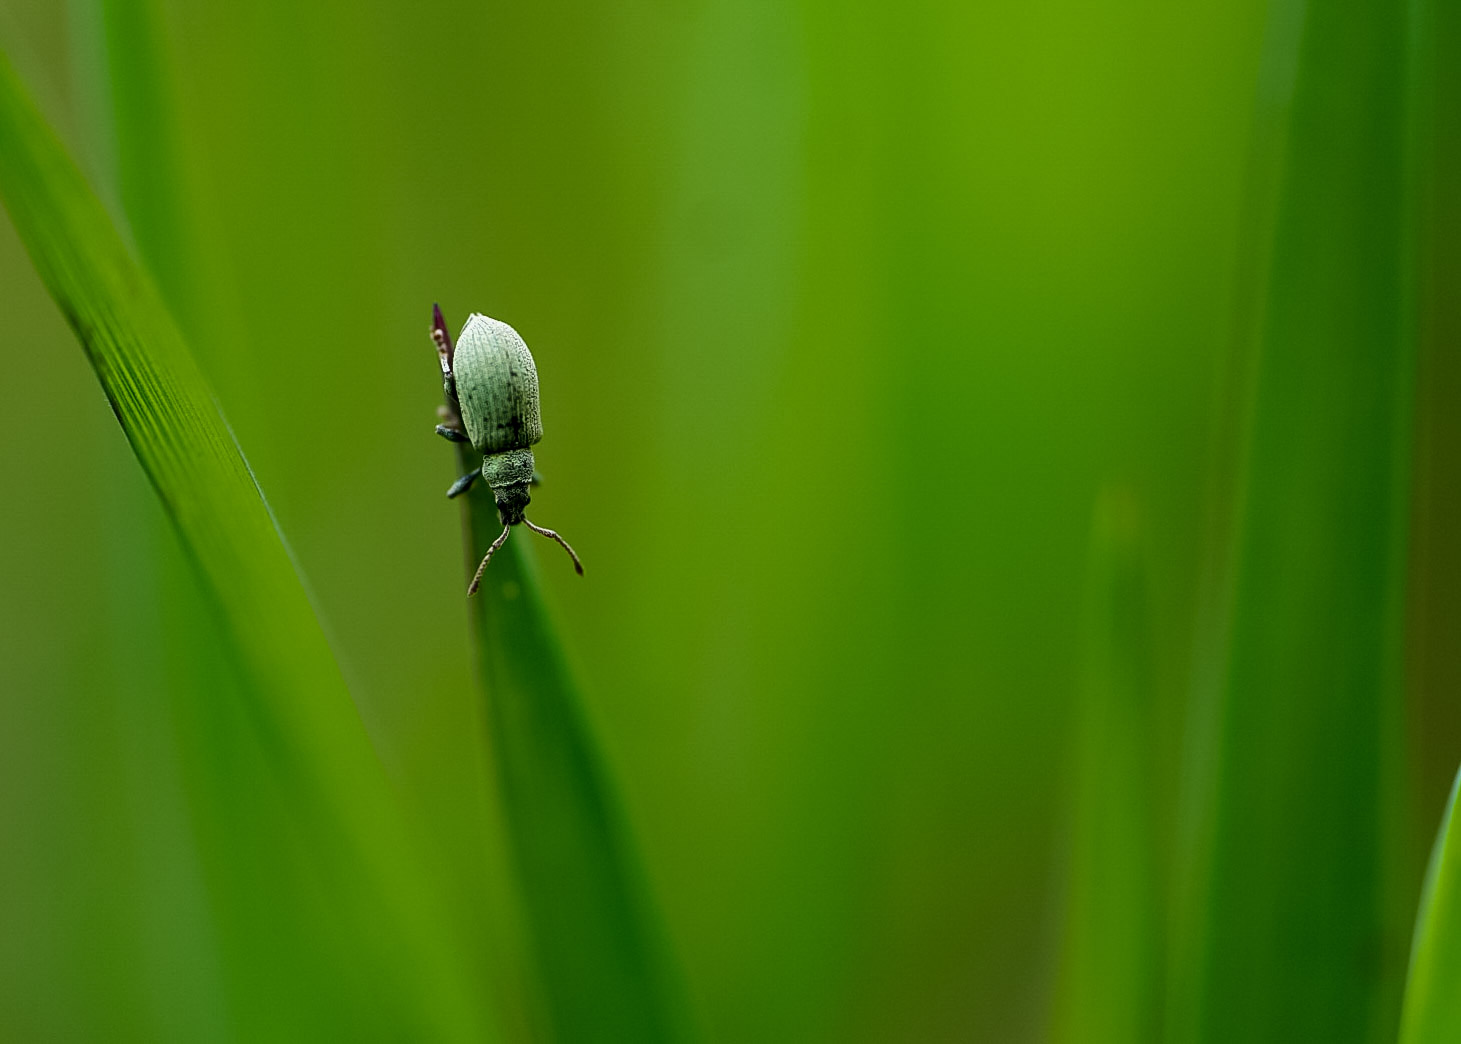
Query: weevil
[{"x": 491, "y": 386}]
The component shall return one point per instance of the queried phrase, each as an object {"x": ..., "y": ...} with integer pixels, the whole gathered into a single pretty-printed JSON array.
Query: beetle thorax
[{"x": 509, "y": 474}]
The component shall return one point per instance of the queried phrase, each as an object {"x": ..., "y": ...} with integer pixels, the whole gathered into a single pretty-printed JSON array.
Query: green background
[{"x": 874, "y": 342}]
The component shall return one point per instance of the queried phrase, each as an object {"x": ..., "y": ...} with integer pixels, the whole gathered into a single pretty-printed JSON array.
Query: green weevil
[{"x": 491, "y": 387}]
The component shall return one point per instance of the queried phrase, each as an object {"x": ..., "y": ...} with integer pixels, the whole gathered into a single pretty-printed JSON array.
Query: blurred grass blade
[
  {"x": 604, "y": 967},
  {"x": 361, "y": 917},
  {"x": 124, "y": 69},
  {"x": 1109, "y": 978},
  {"x": 1433, "y": 662},
  {"x": 1298, "y": 936},
  {"x": 1433, "y": 990},
  {"x": 165, "y": 409}
]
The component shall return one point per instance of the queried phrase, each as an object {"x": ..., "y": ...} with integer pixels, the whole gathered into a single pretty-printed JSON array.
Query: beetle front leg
[
  {"x": 464, "y": 483},
  {"x": 450, "y": 427}
]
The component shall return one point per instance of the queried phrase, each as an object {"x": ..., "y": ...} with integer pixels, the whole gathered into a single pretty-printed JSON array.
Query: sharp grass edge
[
  {"x": 604, "y": 967},
  {"x": 1432, "y": 1012},
  {"x": 358, "y": 888}
]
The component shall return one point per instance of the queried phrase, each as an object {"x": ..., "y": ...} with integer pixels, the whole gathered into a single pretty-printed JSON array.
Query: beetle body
[
  {"x": 491, "y": 378},
  {"x": 497, "y": 386}
]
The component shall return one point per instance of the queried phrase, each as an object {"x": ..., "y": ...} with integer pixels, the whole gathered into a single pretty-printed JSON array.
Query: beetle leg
[
  {"x": 464, "y": 483},
  {"x": 449, "y": 418},
  {"x": 536, "y": 480},
  {"x": 451, "y": 434},
  {"x": 449, "y": 388}
]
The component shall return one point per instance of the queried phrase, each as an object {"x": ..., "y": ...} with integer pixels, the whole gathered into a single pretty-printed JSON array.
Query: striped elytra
[{"x": 497, "y": 385}]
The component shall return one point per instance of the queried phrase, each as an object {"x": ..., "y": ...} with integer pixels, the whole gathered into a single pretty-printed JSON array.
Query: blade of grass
[
  {"x": 1261, "y": 197},
  {"x": 1109, "y": 978},
  {"x": 1432, "y": 1007},
  {"x": 1434, "y": 614},
  {"x": 1296, "y": 938},
  {"x": 197, "y": 905},
  {"x": 125, "y": 76},
  {"x": 363, "y": 913},
  {"x": 604, "y": 967},
  {"x": 163, "y": 406},
  {"x": 1432, "y": 1013},
  {"x": 123, "y": 71}
]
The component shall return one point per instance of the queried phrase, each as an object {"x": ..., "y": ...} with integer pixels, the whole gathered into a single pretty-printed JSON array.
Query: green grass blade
[
  {"x": 604, "y": 967},
  {"x": 1432, "y": 1013},
  {"x": 166, "y": 411},
  {"x": 1110, "y": 982},
  {"x": 1432, "y": 1006},
  {"x": 1433, "y": 664},
  {"x": 331, "y": 849},
  {"x": 123, "y": 69},
  {"x": 1296, "y": 938}
]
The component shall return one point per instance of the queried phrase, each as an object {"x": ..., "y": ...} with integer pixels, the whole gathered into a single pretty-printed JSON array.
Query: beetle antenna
[
  {"x": 487, "y": 558},
  {"x": 445, "y": 353},
  {"x": 439, "y": 333},
  {"x": 554, "y": 536}
]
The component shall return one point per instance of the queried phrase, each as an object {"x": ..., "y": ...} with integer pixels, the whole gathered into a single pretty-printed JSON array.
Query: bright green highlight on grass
[{"x": 1432, "y": 1007}]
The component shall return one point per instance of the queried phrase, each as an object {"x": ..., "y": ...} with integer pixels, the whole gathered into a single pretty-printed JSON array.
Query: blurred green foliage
[{"x": 845, "y": 317}]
